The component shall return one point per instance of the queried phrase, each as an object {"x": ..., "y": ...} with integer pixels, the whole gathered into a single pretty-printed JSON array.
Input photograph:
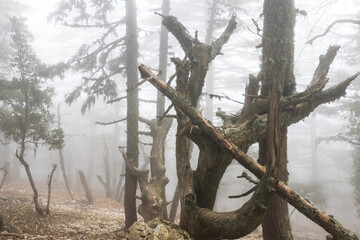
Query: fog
[{"x": 325, "y": 168}]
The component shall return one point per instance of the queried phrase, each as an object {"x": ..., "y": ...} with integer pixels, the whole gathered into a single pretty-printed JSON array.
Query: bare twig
[
  {"x": 137, "y": 85},
  {"x": 93, "y": 25},
  {"x": 166, "y": 112},
  {"x": 330, "y": 26},
  {"x": 116, "y": 99},
  {"x": 258, "y": 29},
  {"x": 109, "y": 123},
  {"x": 223, "y": 96},
  {"x": 247, "y": 177},
  {"x": 244, "y": 194},
  {"x": 147, "y": 101},
  {"x": 337, "y": 137}
]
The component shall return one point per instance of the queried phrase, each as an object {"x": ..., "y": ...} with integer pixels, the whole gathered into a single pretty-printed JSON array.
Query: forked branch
[{"x": 325, "y": 221}]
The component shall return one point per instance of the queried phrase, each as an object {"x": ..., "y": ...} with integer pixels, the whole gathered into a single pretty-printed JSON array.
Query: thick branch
[
  {"x": 325, "y": 221},
  {"x": 324, "y": 63},
  {"x": 224, "y": 38},
  {"x": 141, "y": 175},
  {"x": 179, "y": 31},
  {"x": 330, "y": 26}
]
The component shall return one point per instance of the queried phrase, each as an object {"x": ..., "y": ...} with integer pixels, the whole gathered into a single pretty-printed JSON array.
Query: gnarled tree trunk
[{"x": 278, "y": 62}]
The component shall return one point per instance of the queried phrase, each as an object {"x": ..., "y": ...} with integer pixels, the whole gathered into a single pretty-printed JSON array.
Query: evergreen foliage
[
  {"x": 25, "y": 116},
  {"x": 100, "y": 60}
]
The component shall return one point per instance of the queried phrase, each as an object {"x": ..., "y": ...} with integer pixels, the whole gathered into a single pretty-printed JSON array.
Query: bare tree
[{"x": 252, "y": 124}]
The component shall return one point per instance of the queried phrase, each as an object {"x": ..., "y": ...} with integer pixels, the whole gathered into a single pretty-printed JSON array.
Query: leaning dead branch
[
  {"x": 5, "y": 174},
  {"x": 88, "y": 194},
  {"x": 302, "y": 205},
  {"x": 311, "y": 41},
  {"x": 244, "y": 194},
  {"x": 49, "y": 189}
]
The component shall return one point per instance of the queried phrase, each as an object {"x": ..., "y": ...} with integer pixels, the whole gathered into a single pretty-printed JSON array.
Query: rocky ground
[{"x": 69, "y": 219}]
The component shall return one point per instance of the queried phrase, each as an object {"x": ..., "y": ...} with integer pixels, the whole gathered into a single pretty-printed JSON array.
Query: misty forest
[{"x": 178, "y": 119}]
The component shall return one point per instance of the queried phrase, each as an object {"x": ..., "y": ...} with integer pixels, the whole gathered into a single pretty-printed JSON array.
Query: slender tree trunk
[
  {"x": 49, "y": 189},
  {"x": 132, "y": 111},
  {"x": 62, "y": 160},
  {"x": 31, "y": 180},
  {"x": 164, "y": 36},
  {"x": 314, "y": 156},
  {"x": 160, "y": 105},
  {"x": 107, "y": 173},
  {"x": 86, "y": 188}
]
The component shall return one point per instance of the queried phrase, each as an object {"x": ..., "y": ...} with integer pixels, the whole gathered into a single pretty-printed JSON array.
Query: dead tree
[
  {"x": 86, "y": 188},
  {"x": 5, "y": 174},
  {"x": 205, "y": 131},
  {"x": 49, "y": 189},
  {"x": 153, "y": 191},
  {"x": 62, "y": 160},
  {"x": 239, "y": 131},
  {"x": 107, "y": 183}
]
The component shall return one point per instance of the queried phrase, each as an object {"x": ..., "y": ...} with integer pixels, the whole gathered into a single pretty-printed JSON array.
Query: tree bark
[
  {"x": 278, "y": 63},
  {"x": 132, "y": 147},
  {"x": 86, "y": 188},
  {"x": 276, "y": 224},
  {"x": 31, "y": 180},
  {"x": 174, "y": 204}
]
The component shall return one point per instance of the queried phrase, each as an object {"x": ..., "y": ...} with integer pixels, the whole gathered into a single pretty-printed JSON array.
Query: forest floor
[{"x": 69, "y": 219}]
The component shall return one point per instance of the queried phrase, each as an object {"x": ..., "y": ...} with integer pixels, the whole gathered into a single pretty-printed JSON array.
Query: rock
[{"x": 157, "y": 229}]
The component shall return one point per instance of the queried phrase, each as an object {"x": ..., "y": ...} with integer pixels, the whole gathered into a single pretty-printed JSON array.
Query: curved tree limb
[{"x": 330, "y": 26}]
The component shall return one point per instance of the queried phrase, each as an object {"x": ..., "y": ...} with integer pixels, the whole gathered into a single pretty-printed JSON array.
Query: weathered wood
[{"x": 325, "y": 221}]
